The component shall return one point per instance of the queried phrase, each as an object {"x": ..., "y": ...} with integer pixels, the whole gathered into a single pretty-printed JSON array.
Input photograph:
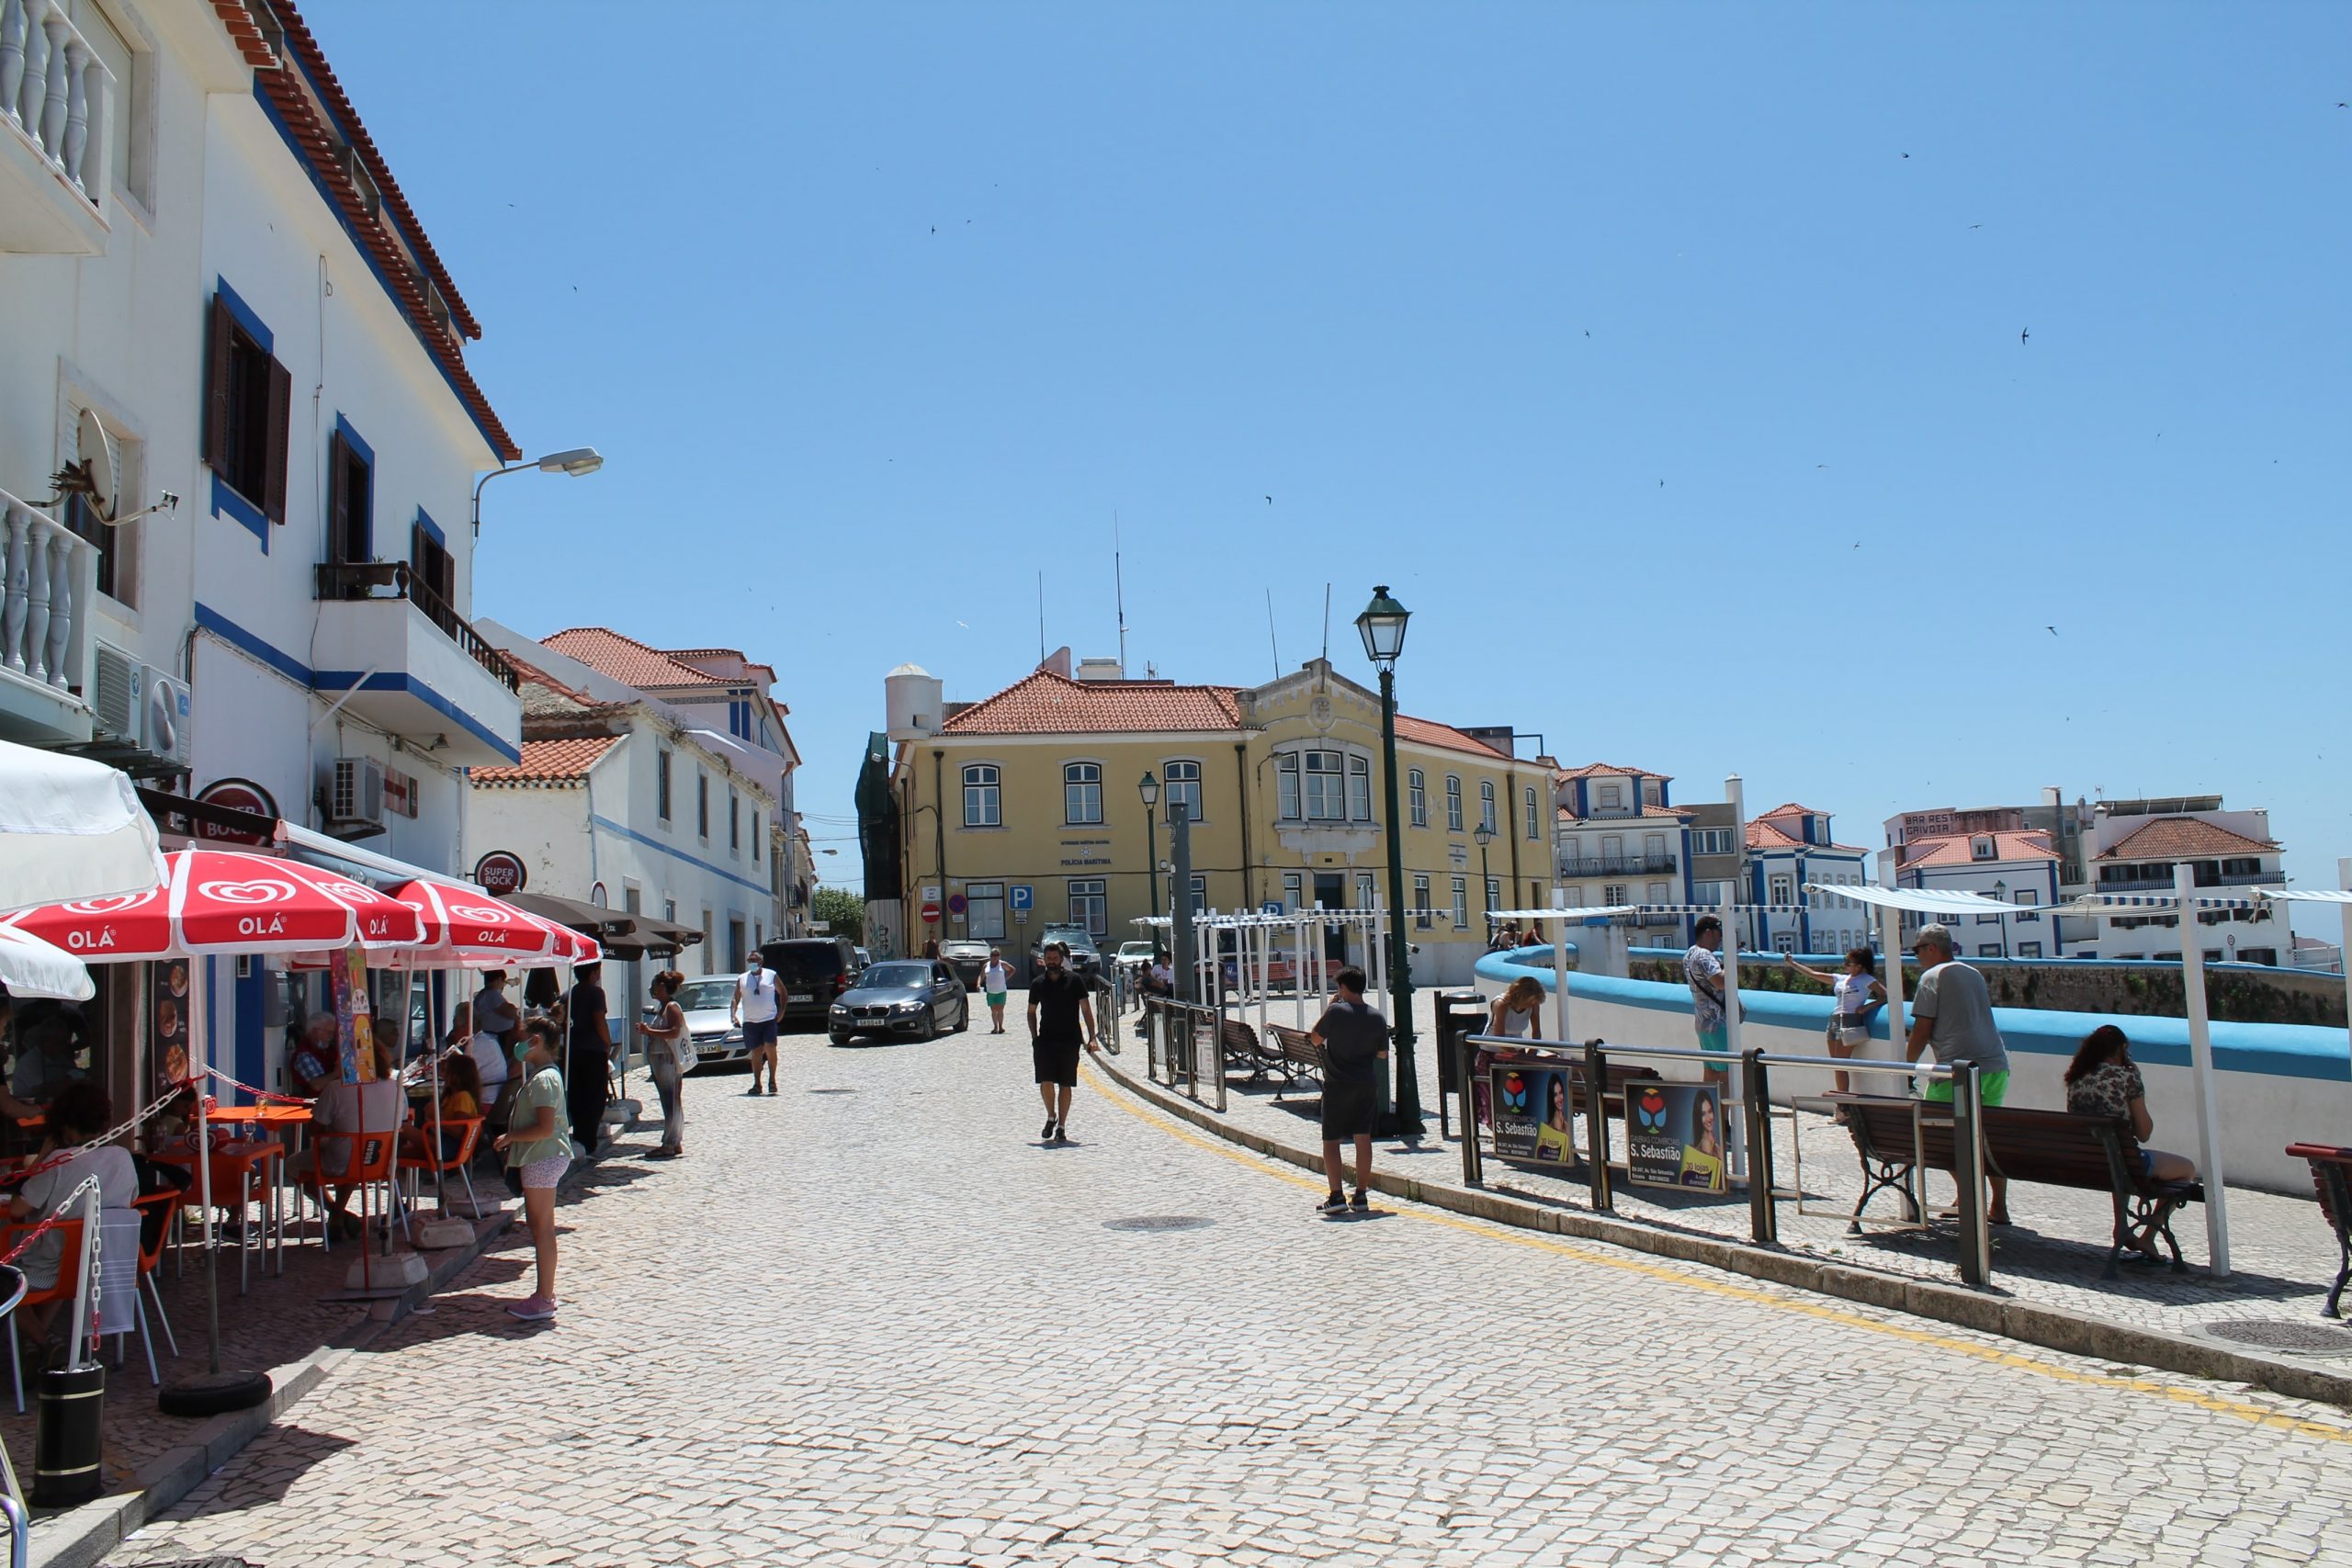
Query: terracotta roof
[
  {"x": 697, "y": 656},
  {"x": 2185, "y": 838},
  {"x": 1791, "y": 809},
  {"x": 1764, "y": 835},
  {"x": 1589, "y": 769},
  {"x": 628, "y": 660},
  {"x": 1047, "y": 703},
  {"x": 407, "y": 260},
  {"x": 1428, "y": 732},
  {"x": 1679, "y": 813},
  {"x": 533, "y": 676},
  {"x": 1954, "y": 848},
  {"x": 244, "y": 34},
  {"x": 550, "y": 761}
]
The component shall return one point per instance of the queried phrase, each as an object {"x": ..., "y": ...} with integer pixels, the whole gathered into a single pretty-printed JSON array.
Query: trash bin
[
  {"x": 66, "y": 1427},
  {"x": 1459, "y": 1014}
]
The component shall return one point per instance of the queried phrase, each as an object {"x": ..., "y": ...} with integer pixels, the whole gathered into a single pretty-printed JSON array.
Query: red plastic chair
[{"x": 69, "y": 1253}]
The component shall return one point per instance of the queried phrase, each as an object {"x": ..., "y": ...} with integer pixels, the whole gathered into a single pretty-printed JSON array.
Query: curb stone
[
  {"x": 1993, "y": 1313},
  {"x": 80, "y": 1536}
]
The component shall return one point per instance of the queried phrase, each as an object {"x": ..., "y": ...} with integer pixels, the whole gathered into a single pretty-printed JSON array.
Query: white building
[
  {"x": 2013, "y": 867},
  {"x": 1616, "y": 840},
  {"x": 673, "y": 804},
  {"x": 2132, "y": 846},
  {"x": 218, "y": 232},
  {"x": 1789, "y": 848}
]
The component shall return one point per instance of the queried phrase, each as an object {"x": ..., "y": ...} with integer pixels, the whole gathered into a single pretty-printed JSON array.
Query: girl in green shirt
[{"x": 536, "y": 1147}]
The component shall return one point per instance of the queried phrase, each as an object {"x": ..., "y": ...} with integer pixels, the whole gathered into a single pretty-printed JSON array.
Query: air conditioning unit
[
  {"x": 166, "y": 733},
  {"x": 355, "y": 794},
  {"x": 119, "y": 699}
]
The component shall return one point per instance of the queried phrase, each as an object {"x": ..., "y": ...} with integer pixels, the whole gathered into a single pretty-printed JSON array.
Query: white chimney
[
  {"x": 1101, "y": 670},
  {"x": 912, "y": 697}
]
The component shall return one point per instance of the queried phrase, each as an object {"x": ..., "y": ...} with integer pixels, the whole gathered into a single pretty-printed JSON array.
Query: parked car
[
  {"x": 1141, "y": 953},
  {"x": 968, "y": 956},
  {"x": 864, "y": 957},
  {"x": 705, "y": 1000},
  {"x": 815, "y": 971},
  {"x": 901, "y": 999},
  {"x": 1085, "y": 958}
]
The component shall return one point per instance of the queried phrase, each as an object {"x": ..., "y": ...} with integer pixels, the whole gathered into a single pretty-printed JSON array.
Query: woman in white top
[
  {"x": 1513, "y": 1017},
  {"x": 80, "y": 1112},
  {"x": 996, "y": 979},
  {"x": 1857, "y": 986}
]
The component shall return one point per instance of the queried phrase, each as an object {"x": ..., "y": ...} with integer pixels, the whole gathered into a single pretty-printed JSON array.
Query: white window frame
[
  {"x": 1288, "y": 807},
  {"x": 1293, "y": 891},
  {"x": 1609, "y": 796},
  {"x": 1090, "y": 903},
  {"x": 983, "y": 787},
  {"x": 1417, "y": 791},
  {"x": 1359, "y": 788},
  {"x": 1453, "y": 802},
  {"x": 1324, "y": 802},
  {"x": 1421, "y": 901},
  {"x": 1462, "y": 903},
  {"x": 1200, "y": 893},
  {"x": 1487, "y": 805},
  {"x": 1086, "y": 780},
  {"x": 984, "y": 910},
  {"x": 1367, "y": 890},
  {"x": 1179, "y": 778},
  {"x": 1533, "y": 828}
]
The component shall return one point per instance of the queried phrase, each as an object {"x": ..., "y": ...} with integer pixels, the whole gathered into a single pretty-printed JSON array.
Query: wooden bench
[
  {"x": 1296, "y": 1055},
  {"x": 2332, "y": 1175},
  {"x": 2049, "y": 1148},
  {"x": 1238, "y": 1043}
]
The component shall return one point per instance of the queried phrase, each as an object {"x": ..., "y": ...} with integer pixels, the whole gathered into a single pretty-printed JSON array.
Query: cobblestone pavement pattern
[{"x": 885, "y": 1326}]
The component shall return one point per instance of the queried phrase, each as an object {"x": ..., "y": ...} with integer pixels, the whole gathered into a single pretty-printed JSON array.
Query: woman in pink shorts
[{"x": 538, "y": 1148}]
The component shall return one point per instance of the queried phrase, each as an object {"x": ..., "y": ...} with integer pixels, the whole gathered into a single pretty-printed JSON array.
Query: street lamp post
[
  {"x": 1149, "y": 790},
  {"x": 2001, "y": 895},
  {"x": 1382, "y": 625},
  {"x": 578, "y": 461},
  {"x": 1486, "y": 835},
  {"x": 1180, "y": 899}
]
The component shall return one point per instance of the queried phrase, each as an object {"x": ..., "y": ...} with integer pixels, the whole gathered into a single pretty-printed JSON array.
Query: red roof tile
[
  {"x": 1793, "y": 809},
  {"x": 1955, "y": 849},
  {"x": 550, "y": 761},
  {"x": 244, "y": 34},
  {"x": 1679, "y": 813},
  {"x": 1589, "y": 769},
  {"x": 1763, "y": 834},
  {"x": 628, "y": 660},
  {"x": 1047, "y": 703},
  {"x": 1428, "y": 732},
  {"x": 407, "y": 260},
  {"x": 2185, "y": 838}
]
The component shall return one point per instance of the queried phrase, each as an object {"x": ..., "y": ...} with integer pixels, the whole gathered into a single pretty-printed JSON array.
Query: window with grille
[
  {"x": 1082, "y": 793},
  {"x": 983, "y": 797}
]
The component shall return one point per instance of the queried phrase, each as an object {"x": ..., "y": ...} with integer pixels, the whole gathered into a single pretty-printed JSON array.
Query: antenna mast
[
  {"x": 1041, "y": 619},
  {"x": 1119, "y": 590}
]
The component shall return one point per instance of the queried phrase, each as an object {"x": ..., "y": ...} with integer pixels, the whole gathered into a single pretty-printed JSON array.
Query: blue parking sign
[{"x": 1023, "y": 895}]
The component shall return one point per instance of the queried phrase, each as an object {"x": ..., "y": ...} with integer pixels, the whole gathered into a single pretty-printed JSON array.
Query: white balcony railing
[
  {"x": 45, "y": 597},
  {"x": 57, "y": 94}
]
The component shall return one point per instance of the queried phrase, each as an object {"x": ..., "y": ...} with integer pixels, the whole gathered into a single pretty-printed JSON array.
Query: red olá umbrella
[
  {"x": 466, "y": 927},
  {"x": 225, "y": 901}
]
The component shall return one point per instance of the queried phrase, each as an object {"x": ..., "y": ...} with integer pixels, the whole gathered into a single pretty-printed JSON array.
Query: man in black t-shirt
[
  {"x": 1061, "y": 1020},
  {"x": 1354, "y": 1037}
]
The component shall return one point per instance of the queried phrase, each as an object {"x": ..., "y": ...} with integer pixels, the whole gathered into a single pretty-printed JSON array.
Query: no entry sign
[{"x": 931, "y": 914}]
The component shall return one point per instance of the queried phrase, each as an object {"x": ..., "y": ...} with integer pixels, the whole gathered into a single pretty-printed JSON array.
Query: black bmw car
[{"x": 901, "y": 998}]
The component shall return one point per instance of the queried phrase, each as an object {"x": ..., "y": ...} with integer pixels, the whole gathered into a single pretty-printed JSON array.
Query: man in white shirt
[{"x": 754, "y": 1006}]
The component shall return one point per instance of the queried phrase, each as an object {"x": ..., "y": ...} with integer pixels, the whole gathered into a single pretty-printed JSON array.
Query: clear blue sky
[{"x": 1666, "y": 359}]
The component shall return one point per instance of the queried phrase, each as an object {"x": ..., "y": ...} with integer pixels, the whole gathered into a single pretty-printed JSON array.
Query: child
[{"x": 538, "y": 1148}]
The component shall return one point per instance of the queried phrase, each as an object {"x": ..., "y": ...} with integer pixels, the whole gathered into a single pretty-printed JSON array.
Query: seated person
[
  {"x": 48, "y": 1038},
  {"x": 355, "y": 1109},
  {"x": 2103, "y": 1080},
  {"x": 10, "y": 1106},
  {"x": 81, "y": 1112},
  {"x": 318, "y": 1060},
  {"x": 1159, "y": 980},
  {"x": 461, "y": 1098}
]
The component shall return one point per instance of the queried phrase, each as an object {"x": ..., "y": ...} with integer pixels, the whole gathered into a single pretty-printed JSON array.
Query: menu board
[{"x": 167, "y": 1023}]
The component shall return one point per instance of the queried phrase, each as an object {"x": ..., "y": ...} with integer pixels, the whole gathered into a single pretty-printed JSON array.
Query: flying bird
[
  {"x": 2052, "y": 630},
  {"x": 1269, "y": 501},
  {"x": 1976, "y": 225},
  {"x": 2023, "y": 334},
  {"x": 1906, "y": 154}
]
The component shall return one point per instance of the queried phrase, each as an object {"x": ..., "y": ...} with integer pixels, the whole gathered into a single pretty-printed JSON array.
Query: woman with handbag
[
  {"x": 1857, "y": 987},
  {"x": 670, "y": 1056}
]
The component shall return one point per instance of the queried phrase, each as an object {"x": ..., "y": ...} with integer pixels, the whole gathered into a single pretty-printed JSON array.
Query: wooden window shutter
[
  {"x": 338, "y": 500},
  {"x": 420, "y": 553},
  {"x": 220, "y": 336},
  {"x": 273, "y": 480},
  {"x": 447, "y": 586}
]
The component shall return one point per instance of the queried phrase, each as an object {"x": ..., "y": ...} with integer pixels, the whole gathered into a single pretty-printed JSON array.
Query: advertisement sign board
[
  {"x": 1530, "y": 1113},
  {"x": 1674, "y": 1135}
]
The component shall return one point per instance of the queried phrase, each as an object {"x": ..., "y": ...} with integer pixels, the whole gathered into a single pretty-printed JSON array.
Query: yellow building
[{"x": 1031, "y": 797}]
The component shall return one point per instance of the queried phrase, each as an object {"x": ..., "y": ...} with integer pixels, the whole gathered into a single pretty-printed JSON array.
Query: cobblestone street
[{"x": 872, "y": 1321}]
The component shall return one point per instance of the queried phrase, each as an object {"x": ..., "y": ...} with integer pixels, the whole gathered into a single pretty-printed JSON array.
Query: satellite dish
[{"x": 99, "y": 463}]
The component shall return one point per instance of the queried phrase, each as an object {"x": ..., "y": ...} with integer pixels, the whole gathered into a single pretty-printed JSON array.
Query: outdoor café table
[{"x": 239, "y": 1164}]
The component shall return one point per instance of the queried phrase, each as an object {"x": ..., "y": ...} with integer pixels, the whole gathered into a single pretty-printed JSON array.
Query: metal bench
[{"x": 2332, "y": 1175}]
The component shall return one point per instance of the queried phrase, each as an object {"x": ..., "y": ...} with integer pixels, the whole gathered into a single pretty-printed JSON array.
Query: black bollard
[{"x": 66, "y": 1425}]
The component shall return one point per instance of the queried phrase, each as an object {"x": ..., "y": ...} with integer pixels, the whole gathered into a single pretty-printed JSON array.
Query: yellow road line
[{"x": 2175, "y": 1392}]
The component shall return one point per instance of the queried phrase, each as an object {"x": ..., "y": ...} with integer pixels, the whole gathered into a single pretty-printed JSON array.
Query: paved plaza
[{"x": 872, "y": 1321}]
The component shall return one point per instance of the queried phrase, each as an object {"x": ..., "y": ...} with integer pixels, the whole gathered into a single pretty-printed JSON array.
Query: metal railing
[
  {"x": 1616, "y": 865},
  {"x": 1178, "y": 1035},
  {"x": 1752, "y": 1096},
  {"x": 368, "y": 579}
]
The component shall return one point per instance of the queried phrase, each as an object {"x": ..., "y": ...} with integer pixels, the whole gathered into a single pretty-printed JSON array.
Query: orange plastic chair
[
  {"x": 69, "y": 1254},
  {"x": 151, "y": 1260},
  {"x": 351, "y": 1159},
  {"x": 418, "y": 1155}
]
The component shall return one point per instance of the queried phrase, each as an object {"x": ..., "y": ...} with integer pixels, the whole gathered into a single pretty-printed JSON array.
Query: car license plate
[{"x": 804, "y": 996}]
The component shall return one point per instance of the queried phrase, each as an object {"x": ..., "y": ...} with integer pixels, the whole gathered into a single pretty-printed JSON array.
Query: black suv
[{"x": 812, "y": 970}]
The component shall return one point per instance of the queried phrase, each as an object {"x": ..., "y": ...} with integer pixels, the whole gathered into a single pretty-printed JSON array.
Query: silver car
[{"x": 705, "y": 1000}]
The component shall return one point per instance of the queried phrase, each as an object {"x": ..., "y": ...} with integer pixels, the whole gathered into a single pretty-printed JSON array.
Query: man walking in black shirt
[
  {"x": 1061, "y": 1020},
  {"x": 1354, "y": 1038}
]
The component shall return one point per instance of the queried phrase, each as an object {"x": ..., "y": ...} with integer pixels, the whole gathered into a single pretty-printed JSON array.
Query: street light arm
[{"x": 509, "y": 468}]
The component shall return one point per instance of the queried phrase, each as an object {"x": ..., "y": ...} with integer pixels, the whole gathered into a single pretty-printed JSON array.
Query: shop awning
[{"x": 1920, "y": 900}]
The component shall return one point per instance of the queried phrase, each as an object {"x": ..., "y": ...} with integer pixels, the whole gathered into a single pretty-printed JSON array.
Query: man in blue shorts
[{"x": 754, "y": 1006}]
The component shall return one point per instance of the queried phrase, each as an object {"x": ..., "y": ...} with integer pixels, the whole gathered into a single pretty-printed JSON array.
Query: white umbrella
[
  {"x": 71, "y": 828},
  {"x": 31, "y": 967}
]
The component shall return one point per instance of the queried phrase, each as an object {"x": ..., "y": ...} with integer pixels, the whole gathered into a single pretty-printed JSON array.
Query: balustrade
[
  {"x": 57, "y": 93},
  {"x": 52, "y": 574}
]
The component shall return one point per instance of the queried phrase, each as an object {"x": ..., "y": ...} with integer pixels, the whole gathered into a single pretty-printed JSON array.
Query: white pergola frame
[{"x": 1256, "y": 947}]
